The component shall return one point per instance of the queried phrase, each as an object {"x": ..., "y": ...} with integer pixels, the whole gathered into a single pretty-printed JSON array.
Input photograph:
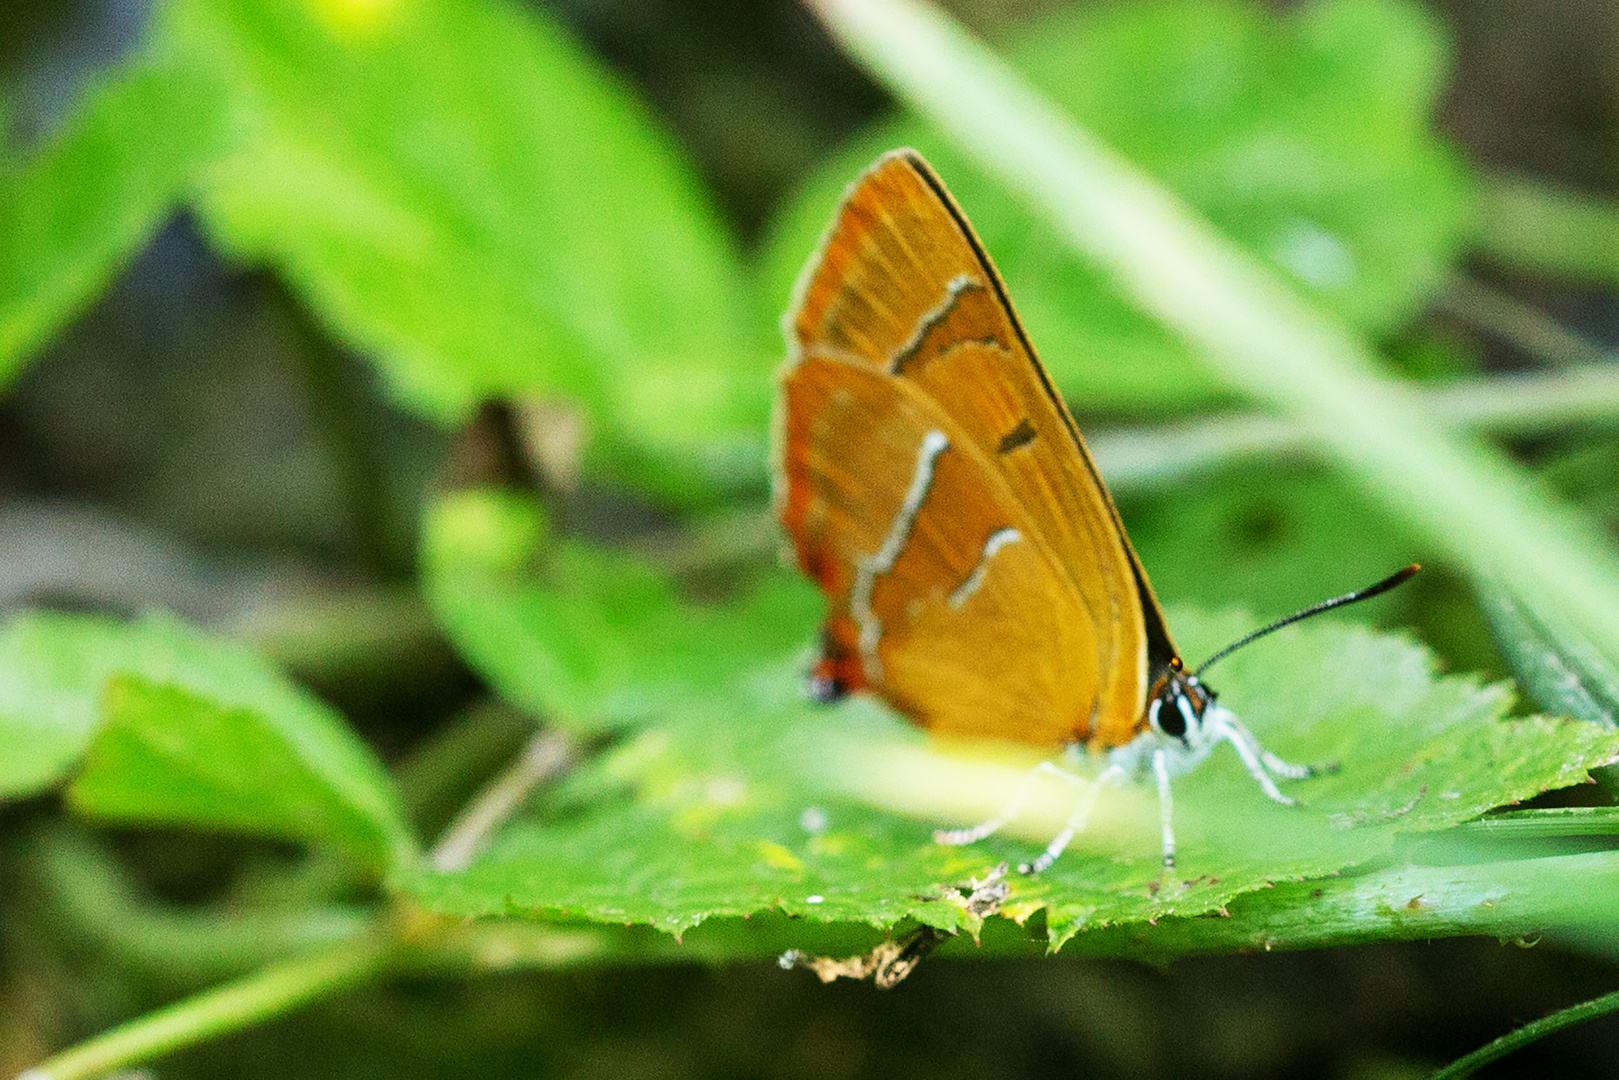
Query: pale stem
[
  {"x": 275, "y": 989},
  {"x": 546, "y": 755}
]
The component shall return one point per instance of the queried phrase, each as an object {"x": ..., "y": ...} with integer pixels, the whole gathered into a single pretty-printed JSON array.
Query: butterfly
[{"x": 935, "y": 487}]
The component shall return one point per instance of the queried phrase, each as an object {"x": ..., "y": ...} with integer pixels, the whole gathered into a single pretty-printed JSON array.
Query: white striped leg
[
  {"x": 1166, "y": 804},
  {"x": 1286, "y": 769},
  {"x": 1014, "y": 807},
  {"x": 1278, "y": 766},
  {"x": 1254, "y": 759},
  {"x": 1113, "y": 774}
]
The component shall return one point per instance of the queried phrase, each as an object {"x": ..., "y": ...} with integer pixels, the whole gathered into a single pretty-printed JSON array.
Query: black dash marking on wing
[
  {"x": 1018, "y": 437},
  {"x": 932, "y": 319}
]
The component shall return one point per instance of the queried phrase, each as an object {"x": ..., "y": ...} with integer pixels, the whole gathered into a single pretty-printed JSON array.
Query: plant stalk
[
  {"x": 278, "y": 988},
  {"x": 1525, "y": 223},
  {"x": 1538, "y": 1029},
  {"x": 546, "y": 755},
  {"x": 1518, "y": 324},
  {"x": 1505, "y": 405}
]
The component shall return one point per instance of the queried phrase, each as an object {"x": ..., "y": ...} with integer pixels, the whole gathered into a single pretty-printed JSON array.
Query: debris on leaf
[{"x": 889, "y": 963}]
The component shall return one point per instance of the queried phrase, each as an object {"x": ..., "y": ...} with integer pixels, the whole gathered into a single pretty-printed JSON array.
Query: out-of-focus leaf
[
  {"x": 171, "y": 756},
  {"x": 52, "y": 669},
  {"x": 585, "y": 637},
  {"x": 742, "y": 802},
  {"x": 461, "y": 193},
  {"x": 81, "y": 207},
  {"x": 183, "y": 729},
  {"x": 1306, "y": 139},
  {"x": 1272, "y": 539}
]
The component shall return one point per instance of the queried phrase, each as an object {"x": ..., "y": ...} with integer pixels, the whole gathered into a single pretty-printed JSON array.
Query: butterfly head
[{"x": 1176, "y": 703}]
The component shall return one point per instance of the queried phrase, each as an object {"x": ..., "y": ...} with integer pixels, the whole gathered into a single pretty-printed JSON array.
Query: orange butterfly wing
[{"x": 1006, "y": 601}]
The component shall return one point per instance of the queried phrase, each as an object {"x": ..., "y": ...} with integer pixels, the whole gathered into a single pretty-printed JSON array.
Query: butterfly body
[{"x": 933, "y": 482}]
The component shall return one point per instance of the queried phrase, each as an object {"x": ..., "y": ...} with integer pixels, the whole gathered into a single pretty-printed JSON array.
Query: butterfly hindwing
[{"x": 944, "y": 598}]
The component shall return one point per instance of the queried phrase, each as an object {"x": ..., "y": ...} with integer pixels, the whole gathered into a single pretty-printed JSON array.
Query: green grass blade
[
  {"x": 1468, "y": 499},
  {"x": 1539, "y": 1029}
]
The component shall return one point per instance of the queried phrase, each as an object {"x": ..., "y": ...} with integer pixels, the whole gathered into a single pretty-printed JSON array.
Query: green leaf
[
  {"x": 182, "y": 729},
  {"x": 588, "y": 638},
  {"x": 747, "y": 801},
  {"x": 52, "y": 669},
  {"x": 75, "y": 214},
  {"x": 460, "y": 192},
  {"x": 167, "y": 755},
  {"x": 1307, "y": 140}
]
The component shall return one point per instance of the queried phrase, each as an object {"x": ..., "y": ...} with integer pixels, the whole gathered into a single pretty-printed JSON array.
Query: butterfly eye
[{"x": 1169, "y": 713}]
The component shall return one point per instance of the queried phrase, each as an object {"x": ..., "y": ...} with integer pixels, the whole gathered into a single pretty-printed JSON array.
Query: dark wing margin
[{"x": 1160, "y": 648}]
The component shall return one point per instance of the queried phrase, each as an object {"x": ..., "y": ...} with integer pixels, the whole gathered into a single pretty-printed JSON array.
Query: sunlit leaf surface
[{"x": 752, "y": 799}]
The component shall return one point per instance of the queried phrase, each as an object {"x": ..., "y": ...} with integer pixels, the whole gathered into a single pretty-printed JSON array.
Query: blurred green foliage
[
  {"x": 74, "y": 215},
  {"x": 1307, "y": 140},
  {"x": 587, "y": 637},
  {"x": 179, "y": 729},
  {"x": 464, "y": 196}
]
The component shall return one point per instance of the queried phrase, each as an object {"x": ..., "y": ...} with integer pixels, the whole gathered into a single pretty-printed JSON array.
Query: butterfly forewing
[
  {"x": 904, "y": 317},
  {"x": 929, "y": 541}
]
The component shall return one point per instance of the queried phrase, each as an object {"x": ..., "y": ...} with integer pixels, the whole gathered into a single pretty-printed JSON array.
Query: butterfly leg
[
  {"x": 1113, "y": 774},
  {"x": 1166, "y": 804},
  {"x": 1256, "y": 759},
  {"x": 1014, "y": 807},
  {"x": 1286, "y": 769},
  {"x": 1278, "y": 766}
]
